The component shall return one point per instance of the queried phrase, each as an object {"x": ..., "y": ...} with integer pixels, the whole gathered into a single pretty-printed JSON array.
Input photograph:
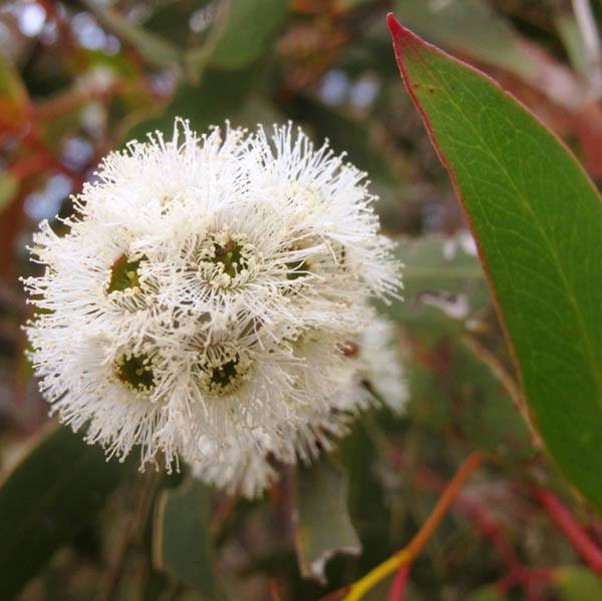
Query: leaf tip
[
  {"x": 401, "y": 35},
  {"x": 393, "y": 24},
  {"x": 398, "y": 31}
]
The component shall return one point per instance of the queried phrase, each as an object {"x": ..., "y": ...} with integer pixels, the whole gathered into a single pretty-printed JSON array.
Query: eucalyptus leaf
[
  {"x": 323, "y": 527},
  {"x": 249, "y": 28},
  {"x": 470, "y": 27},
  {"x": 537, "y": 219},
  {"x": 182, "y": 543},
  {"x": 56, "y": 490}
]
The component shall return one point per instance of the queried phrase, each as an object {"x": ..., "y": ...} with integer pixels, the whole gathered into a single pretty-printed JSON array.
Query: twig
[
  {"x": 31, "y": 166},
  {"x": 413, "y": 549},
  {"x": 525, "y": 578},
  {"x": 131, "y": 536},
  {"x": 562, "y": 517},
  {"x": 518, "y": 574},
  {"x": 591, "y": 42},
  {"x": 197, "y": 60},
  {"x": 73, "y": 99},
  {"x": 398, "y": 588},
  {"x": 274, "y": 590}
]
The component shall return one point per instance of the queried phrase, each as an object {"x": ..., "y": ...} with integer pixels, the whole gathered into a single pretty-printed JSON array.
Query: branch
[
  {"x": 562, "y": 517},
  {"x": 413, "y": 549},
  {"x": 591, "y": 42},
  {"x": 398, "y": 589}
]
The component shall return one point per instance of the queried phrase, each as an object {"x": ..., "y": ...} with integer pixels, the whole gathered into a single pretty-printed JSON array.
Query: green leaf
[
  {"x": 153, "y": 48},
  {"x": 220, "y": 96},
  {"x": 247, "y": 31},
  {"x": 439, "y": 262},
  {"x": 538, "y": 222},
  {"x": 577, "y": 584},
  {"x": 322, "y": 524},
  {"x": 46, "y": 499},
  {"x": 8, "y": 188},
  {"x": 170, "y": 19},
  {"x": 182, "y": 543},
  {"x": 472, "y": 28}
]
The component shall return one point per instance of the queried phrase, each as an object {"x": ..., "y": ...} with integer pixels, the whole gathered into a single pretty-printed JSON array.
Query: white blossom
[
  {"x": 203, "y": 302},
  {"x": 372, "y": 364}
]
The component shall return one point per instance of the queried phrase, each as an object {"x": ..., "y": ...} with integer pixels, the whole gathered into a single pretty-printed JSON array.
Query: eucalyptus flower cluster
[{"x": 209, "y": 303}]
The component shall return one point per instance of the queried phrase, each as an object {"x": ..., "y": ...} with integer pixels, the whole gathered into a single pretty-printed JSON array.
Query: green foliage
[
  {"x": 152, "y": 48},
  {"x": 321, "y": 498},
  {"x": 538, "y": 222},
  {"x": 444, "y": 286},
  {"x": 56, "y": 490},
  {"x": 491, "y": 40},
  {"x": 73, "y": 526},
  {"x": 219, "y": 96},
  {"x": 182, "y": 541},
  {"x": 247, "y": 30},
  {"x": 487, "y": 593},
  {"x": 13, "y": 97},
  {"x": 577, "y": 584}
]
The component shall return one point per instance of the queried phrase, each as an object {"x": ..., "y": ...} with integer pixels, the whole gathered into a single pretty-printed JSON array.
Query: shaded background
[{"x": 80, "y": 78}]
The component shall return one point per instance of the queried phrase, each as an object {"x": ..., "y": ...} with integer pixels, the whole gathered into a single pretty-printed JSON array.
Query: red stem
[
  {"x": 398, "y": 587},
  {"x": 518, "y": 574},
  {"x": 480, "y": 516},
  {"x": 525, "y": 578},
  {"x": 562, "y": 517}
]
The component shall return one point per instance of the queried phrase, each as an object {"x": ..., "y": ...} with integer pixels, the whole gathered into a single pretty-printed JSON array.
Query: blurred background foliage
[{"x": 81, "y": 77}]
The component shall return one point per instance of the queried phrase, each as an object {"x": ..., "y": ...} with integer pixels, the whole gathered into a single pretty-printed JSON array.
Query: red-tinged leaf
[
  {"x": 472, "y": 28},
  {"x": 537, "y": 220}
]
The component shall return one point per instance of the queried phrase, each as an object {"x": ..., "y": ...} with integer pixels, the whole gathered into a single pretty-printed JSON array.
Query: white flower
[
  {"x": 381, "y": 364},
  {"x": 371, "y": 364},
  {"x": 201, "y": 303}
]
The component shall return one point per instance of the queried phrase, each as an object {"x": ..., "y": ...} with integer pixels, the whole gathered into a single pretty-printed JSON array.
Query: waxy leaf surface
[{"x": 537, "y": 219}]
